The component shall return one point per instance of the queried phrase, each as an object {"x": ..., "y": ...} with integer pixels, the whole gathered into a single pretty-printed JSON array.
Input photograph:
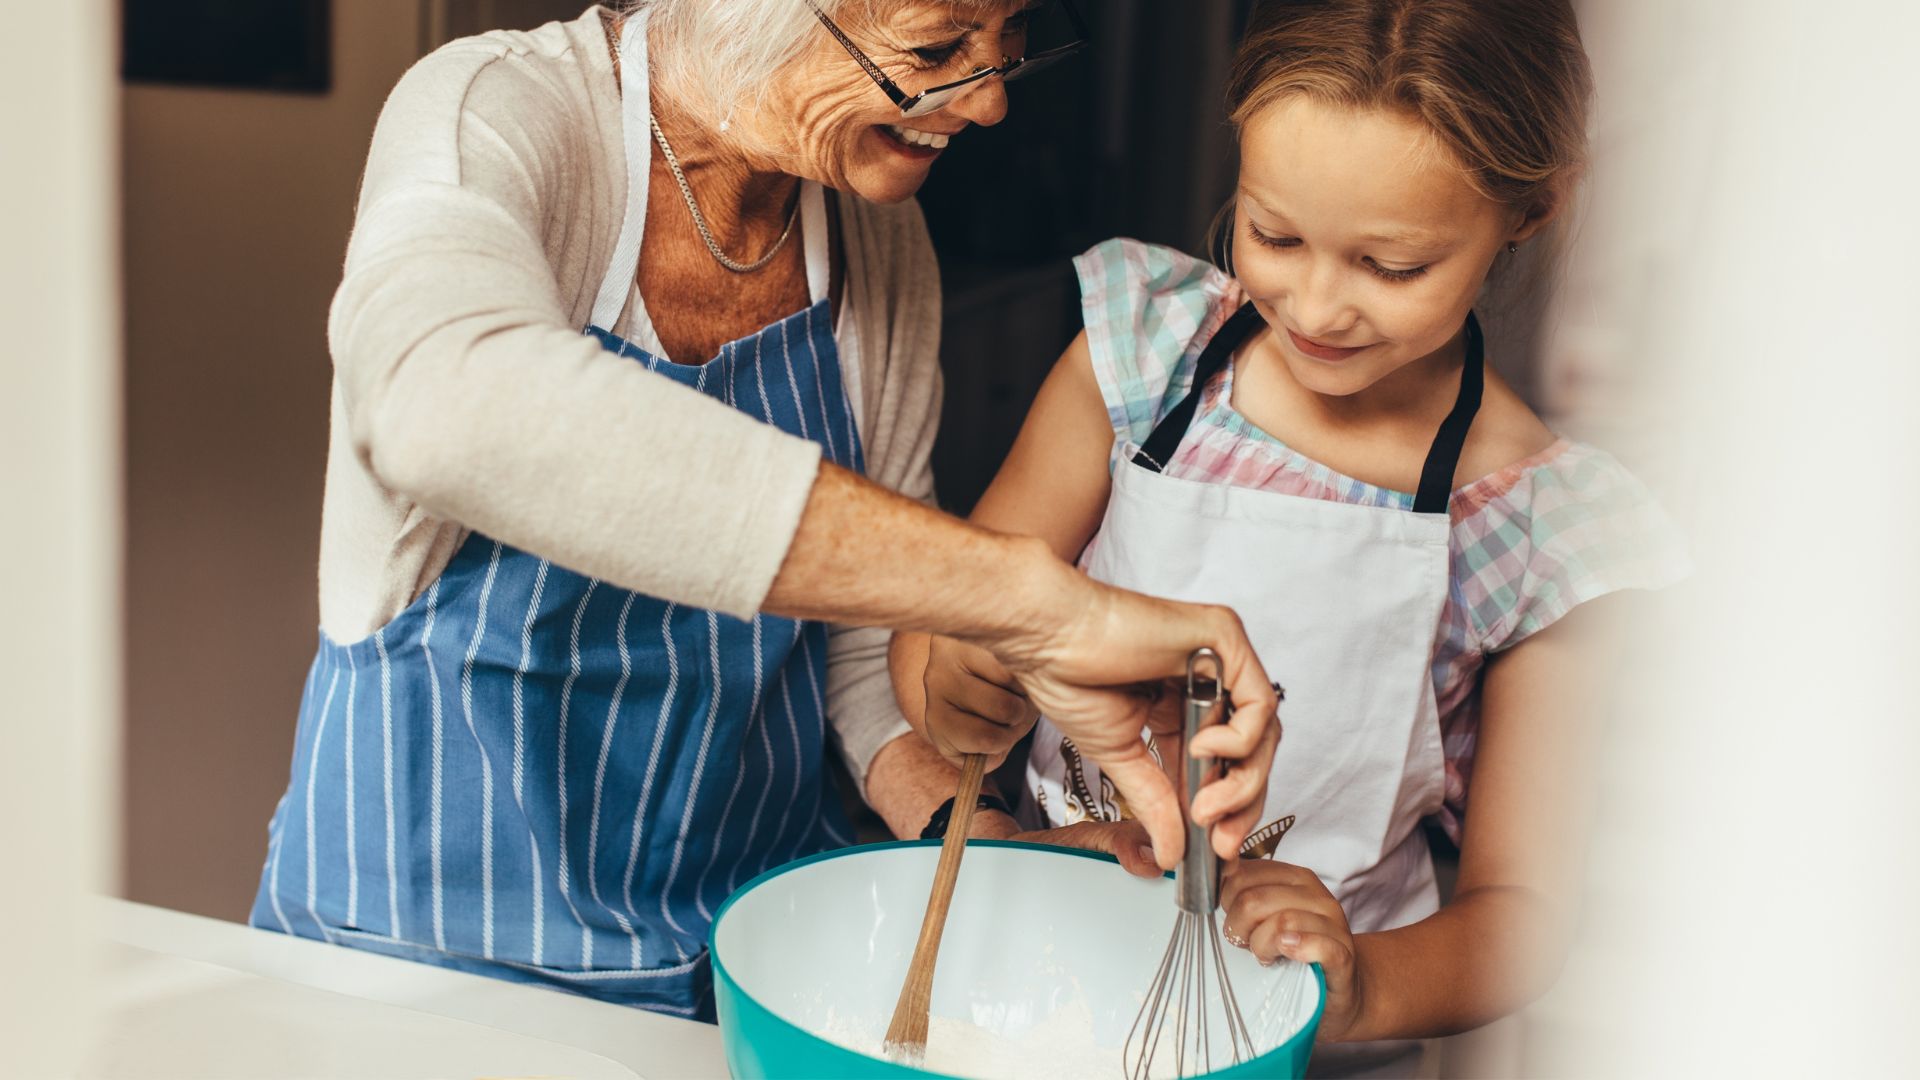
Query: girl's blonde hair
[{"x": 1502, "y": 84}]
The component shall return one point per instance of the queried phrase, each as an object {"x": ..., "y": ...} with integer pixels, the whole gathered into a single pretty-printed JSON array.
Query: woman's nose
[{"x": 984, "y": 103}]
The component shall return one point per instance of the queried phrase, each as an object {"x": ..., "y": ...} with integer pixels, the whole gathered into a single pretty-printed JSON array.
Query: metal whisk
[{"x": 1190, "y": 1008}]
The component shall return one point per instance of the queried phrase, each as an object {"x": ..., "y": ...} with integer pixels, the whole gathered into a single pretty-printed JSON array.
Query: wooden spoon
[{"x": 907, "y": 1035}]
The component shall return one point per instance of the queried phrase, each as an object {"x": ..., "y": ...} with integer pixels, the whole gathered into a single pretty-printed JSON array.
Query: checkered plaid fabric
[{"x": 1530, "y": 542}]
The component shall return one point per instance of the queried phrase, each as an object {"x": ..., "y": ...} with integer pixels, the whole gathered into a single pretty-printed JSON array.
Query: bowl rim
[{"x": 721, "y": 974}]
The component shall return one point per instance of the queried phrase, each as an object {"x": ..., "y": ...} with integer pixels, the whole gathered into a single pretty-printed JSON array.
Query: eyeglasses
[{"x": 935, "y": 98}]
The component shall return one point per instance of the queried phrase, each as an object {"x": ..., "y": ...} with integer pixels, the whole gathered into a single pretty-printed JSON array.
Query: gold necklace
[{"x": 686, "y": 190}]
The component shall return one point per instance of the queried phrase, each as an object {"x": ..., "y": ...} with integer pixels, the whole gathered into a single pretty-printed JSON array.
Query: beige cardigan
[{"x": 465, "y": 396}]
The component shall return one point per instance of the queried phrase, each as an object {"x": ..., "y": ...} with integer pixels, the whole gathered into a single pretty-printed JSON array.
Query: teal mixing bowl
[{"x": 808, "y": 960}]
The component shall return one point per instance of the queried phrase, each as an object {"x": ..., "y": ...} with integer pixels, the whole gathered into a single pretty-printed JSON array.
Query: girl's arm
[
  {"x": 1054, "y": 483},
  {"x": 1052, "y": 486},
  {"x": 1501, "y": 941}
]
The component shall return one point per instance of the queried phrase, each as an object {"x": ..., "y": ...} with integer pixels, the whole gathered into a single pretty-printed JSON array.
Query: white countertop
[{"x": 187, "y": 996}]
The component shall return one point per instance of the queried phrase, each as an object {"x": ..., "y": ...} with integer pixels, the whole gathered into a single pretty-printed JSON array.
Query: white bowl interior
[{"x": 1038, "y": 945}]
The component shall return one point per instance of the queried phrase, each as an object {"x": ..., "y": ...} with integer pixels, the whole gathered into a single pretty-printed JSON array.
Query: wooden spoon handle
[
  {"x": 966, "y": 799},
  {"x": 908, "y": 1031}
]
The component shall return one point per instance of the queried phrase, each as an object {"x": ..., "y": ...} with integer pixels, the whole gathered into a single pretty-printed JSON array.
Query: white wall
[
  {"x": 1746, "y": 296},
  {"x": 59, "y": 542},
  {"x": 237, "y": 207}
]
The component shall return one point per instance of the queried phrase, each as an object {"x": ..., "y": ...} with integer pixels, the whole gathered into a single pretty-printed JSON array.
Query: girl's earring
[{"x": 1513, "y": 248}]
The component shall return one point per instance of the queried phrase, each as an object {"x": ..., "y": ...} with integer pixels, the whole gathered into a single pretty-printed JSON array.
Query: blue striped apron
[{"x": 535, "y": 775}]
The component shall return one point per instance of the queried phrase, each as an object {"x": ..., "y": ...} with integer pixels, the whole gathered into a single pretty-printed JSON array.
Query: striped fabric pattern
[
  {"x": 1529, "y": 542},
  {"x": 536, "y": 775}
]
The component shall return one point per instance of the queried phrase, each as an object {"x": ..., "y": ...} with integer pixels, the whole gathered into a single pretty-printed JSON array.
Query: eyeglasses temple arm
[
  {"x": 1079, "y": 24},
  {"x": 893, "y": 91}
]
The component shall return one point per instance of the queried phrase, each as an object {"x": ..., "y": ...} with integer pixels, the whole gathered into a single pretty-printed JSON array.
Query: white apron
[{"x": 1342, "y": 604}]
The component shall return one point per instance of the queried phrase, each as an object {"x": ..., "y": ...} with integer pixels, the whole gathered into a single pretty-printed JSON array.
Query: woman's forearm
[
  {"x": 868, "y": 556},
  {"x": 1483, "y": 956},
  {"x": 908, "y": 781}
]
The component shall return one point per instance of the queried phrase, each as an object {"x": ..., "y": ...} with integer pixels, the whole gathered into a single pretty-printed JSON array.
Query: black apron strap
[
  {"x": 1443, "y": 458},
  {"x": 1166, "y": 436}
]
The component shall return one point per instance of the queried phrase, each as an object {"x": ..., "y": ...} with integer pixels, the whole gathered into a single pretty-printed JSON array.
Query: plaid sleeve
[
  {"x": 1574, "y": 530},
  {"x": 1149, "y": 310}
]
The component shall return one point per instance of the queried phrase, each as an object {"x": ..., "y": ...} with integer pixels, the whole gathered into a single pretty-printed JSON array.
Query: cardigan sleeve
[
  {"x": 454, "y": 354},
  {"x": 895, "y": 290}
]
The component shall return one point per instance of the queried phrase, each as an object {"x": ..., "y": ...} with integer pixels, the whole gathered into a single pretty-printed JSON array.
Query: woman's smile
[{"x": 914, "y": 143}]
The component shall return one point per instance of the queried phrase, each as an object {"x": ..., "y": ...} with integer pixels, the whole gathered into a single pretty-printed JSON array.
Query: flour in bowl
[{"x": 1060, "y": 1046}]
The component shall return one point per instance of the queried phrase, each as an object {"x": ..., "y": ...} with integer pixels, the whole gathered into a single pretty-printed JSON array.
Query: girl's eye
[
  {"x": 1390, "y": 274},
  {"x": 1264, "y": 240},
  {"x": 1385, "y": 273}
]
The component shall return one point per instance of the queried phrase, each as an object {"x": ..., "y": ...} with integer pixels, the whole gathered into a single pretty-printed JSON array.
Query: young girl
[{"x": 1311, "y": 435}]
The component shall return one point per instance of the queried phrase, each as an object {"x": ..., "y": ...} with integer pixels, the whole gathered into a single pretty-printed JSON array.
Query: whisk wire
[
  {"x": 1236, "y": 1023},
  {"x": 1184, "y": 994},
  {"x": 1147, "y": 1022},
  {"x": 1203, "y": 1027},
  {"x": 1182, "y": 1011}
]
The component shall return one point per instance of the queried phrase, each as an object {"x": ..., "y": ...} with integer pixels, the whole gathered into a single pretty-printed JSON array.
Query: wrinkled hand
[
  {"x": 1124, "y": 840},
  {"x": 1085, "y": 677},
  {"x": 1276, "y": 909},
  {"x": 974, "y": 705}
]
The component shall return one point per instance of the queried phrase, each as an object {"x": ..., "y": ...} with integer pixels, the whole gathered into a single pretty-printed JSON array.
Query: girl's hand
[
  {"x": 1277, "y": 909},
  {"x": 973, "y": 705}
]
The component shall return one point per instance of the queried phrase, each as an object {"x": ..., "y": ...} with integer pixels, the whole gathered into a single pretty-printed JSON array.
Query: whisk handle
[{"x": 1198, "y": 882}]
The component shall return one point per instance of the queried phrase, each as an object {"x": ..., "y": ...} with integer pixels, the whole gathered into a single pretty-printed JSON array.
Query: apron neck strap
[
  {"x": 1443, "y": 458},
  {"x": 1166, "y": 436},
  {"x": 637, "y": 143},
  {"x": 636, "y": 134}
]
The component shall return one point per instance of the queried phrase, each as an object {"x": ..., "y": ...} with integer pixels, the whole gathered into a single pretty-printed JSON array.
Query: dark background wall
[{"x": 1126, "y": 139}]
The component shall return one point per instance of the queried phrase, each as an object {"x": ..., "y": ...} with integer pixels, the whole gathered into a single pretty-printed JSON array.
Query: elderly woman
[{"x": 571, "y": 689}]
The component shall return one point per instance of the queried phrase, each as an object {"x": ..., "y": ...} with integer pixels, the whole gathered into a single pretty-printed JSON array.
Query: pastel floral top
[{"x": 1530, "y": 542}]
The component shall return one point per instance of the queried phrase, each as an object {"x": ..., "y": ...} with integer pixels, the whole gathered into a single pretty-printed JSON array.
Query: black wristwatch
[{"x": 937, "y": 824}]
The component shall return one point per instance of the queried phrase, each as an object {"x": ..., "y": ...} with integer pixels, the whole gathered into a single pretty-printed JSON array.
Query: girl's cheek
[
  {"x": 1259, "y": 277},
  {"x": 1412, "y": 317}
]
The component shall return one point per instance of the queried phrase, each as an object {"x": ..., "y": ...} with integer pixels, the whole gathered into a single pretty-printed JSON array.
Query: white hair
[{"x": 717, "y": 56}]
